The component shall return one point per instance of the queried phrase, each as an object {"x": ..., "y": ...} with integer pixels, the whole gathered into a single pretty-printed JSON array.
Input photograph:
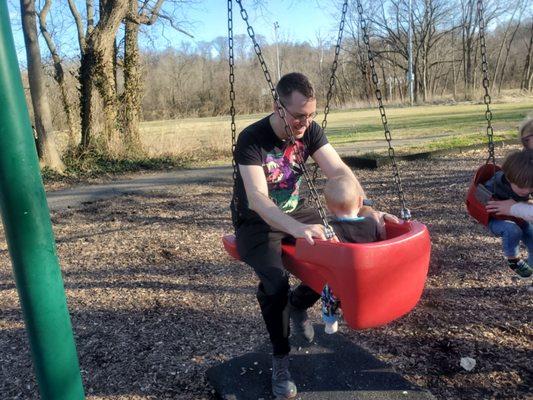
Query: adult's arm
[
  {"x": 512, "y": 208},
  {"x": 256, "y": 188}
]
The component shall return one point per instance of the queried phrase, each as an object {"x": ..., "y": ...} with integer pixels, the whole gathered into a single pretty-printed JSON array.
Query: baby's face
[
  {"x": 523, "y": 192},
  {"x": 527, "y": 140}
]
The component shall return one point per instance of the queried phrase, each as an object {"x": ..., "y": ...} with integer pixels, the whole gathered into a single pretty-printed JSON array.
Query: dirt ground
[{"x": 155, "y": 301}]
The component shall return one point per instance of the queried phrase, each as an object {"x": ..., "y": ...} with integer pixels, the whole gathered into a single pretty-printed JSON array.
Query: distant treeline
[
  {"x": 446, "y": 58},
  {"x": 112, "y": 85}
]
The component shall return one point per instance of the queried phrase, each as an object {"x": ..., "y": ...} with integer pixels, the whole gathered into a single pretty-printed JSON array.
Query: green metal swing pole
[{"x": 30, "y": 239}]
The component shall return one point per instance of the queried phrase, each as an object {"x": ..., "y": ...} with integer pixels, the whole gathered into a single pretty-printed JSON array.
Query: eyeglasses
[{"x": 301, "y": 118}]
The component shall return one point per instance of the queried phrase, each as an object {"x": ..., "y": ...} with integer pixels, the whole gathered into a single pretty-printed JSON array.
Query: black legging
[{"x": 259, "y": 246}]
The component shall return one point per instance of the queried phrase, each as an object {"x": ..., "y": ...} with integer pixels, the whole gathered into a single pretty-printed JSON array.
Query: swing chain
[
  {"x": 231, "y": 61},
  {"x": 485, "y": 68},
  {"x": 334, "y": 66},
  {"x": 299, "y": 158},
  {"x": 332, "y": 77},
  {"x": 405, "y": 213}
]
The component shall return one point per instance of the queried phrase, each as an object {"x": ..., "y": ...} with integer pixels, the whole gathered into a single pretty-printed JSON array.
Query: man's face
[
  {"x": 299, "y": 113},
  {"x": 523, "y": 192}
]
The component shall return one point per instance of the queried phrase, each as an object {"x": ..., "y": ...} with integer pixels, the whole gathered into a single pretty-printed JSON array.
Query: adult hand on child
[
  {"x": 381, "y": 217},
  {"x": 308, "y": 232},
  {"x": 500, "y": 207}
]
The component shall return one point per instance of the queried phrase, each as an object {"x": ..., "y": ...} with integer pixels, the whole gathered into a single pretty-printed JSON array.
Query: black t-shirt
[
  {"x": 258, "y": 145},
  {"x": 361, "y": 230}
]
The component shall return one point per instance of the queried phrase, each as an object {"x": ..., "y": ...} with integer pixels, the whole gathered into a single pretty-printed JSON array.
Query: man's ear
[{"x": 359, "y": 202}]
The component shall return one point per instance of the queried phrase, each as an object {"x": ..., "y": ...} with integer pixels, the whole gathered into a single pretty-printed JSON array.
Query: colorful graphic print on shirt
[{"x": 284, "y": 176}]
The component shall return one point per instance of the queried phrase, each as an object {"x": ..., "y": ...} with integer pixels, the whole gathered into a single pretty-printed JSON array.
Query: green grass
[
  {"x": 207, "y": 141},
  {"x": 464, "y": 122}
]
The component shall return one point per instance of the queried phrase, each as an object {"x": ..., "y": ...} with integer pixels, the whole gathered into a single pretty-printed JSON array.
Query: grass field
[{"x": 428, "y": 127}]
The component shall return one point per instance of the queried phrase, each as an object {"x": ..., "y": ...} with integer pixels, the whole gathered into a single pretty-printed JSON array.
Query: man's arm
[{"x": 256, "y": 188}]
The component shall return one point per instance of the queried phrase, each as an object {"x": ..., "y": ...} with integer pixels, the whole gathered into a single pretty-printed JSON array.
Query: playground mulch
[{"x": 155, "y": 301}]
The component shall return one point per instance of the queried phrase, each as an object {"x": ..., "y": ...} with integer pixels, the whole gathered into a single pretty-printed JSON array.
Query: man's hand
[
  {"x": 502, "y": 207},
  {"x": 381, "y": 217},
  {"x": 308, "y": 232}
]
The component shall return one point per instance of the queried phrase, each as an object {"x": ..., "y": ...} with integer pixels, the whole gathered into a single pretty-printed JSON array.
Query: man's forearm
[{"x": 272, "y": 215}]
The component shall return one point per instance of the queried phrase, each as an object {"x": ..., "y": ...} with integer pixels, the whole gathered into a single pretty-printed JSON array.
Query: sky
[{"x": 299, "y": 21}]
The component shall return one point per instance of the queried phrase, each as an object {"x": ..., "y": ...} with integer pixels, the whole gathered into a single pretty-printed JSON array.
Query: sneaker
[
  {"x": 301, "y": 324},
  {"x": 521, "y": 268},
  {"x": 283, "y": 386}
]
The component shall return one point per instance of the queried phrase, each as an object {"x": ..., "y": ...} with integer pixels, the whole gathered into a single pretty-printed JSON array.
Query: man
[{"x": 269, "y": 208}]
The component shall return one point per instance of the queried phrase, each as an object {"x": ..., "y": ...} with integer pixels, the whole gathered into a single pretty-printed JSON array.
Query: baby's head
[
  {"x": 344, "y": 196},
  {"x": 526, "y": 133},
  {"x": 518, "y": 169}
]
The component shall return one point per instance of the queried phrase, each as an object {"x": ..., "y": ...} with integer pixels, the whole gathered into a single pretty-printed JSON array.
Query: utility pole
[
  {"x": 276, "y": 27},
  {"x": 410, "y": 55}
]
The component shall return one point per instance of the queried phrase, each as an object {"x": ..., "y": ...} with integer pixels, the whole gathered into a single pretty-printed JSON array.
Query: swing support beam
[{"x": 30, "y": 239}]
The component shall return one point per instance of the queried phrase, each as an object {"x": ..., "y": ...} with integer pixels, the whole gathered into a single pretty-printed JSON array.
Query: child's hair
[
  {"x": 341, "y": 193},
  {"x": 518, "y": 168}
]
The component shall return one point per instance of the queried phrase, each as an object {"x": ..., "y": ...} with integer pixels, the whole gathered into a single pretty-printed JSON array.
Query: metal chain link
[
  {"x": 332, "y": 78},
  {"x": 405, "y": 213},
  {"x": 485, "y": 68},
  {"x": 231, "y": 61},
  {"x": 299, "y": 158},
  {"x": 334, "y": 66}
]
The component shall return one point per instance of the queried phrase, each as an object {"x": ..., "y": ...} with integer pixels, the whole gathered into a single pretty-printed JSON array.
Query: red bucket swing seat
[
  {"x": 474, "y": 207},
  {"x": 376, "y": 283}
]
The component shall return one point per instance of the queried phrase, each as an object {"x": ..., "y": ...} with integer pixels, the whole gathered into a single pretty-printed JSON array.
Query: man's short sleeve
[
  {"x": 248, "y": 150},
  {"x": 317, "y": 138}
]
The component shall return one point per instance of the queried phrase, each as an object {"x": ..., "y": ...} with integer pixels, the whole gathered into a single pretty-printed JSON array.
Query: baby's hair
[
  {"x": 341, "y": 192},
  {"x": 518, "y": 168}
]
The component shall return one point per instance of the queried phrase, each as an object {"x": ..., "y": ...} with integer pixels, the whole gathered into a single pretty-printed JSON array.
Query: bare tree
[
  {"x": 59, "y": 73},
  {"x": 46, "y": 146},
  {"x": 97, "y": 43},
  {"x": 527, "y": 75}
]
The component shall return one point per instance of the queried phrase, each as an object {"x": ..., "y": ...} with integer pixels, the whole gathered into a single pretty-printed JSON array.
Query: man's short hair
[
  {"x": 518, "y": 168},
  {"x": 294, "y": 82}
]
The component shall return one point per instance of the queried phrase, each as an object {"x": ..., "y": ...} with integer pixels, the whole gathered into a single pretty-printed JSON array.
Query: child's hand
[{"x": 501, "y": 207}]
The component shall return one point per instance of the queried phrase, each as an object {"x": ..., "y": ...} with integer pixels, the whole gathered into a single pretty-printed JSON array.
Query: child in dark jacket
[
  {"x": 344, "y": 199},
  {"x": 514, "y": 181}
]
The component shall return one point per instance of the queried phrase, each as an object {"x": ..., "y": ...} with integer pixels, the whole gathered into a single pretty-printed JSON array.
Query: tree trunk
[
  {"x": 498, "y": 59},
  {"x": 46, "y": 147},
  {"x": 59, "y": 75},
  {"x": 86, "y": 78},
  {"x": 527, "y": 65},
  {"x": 101, "y": 45},
  {"x": 132, "y": 83},
  {"x": 508, "y": 50}
]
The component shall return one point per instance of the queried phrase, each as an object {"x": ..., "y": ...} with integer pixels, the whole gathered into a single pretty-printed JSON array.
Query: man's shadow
[{"x": 331, "y": 367}]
